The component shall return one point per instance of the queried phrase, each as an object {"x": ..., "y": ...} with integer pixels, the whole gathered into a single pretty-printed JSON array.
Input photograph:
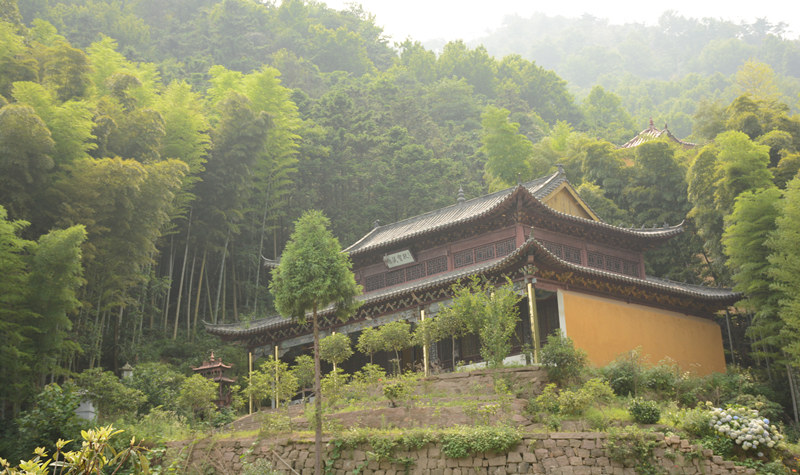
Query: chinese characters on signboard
[{"x": 398, "y": 259}]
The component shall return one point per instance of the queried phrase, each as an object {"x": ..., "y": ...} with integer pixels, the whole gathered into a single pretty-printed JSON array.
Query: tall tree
[
  {"x": 785, "y": 267},
  {"x": 507, "y": 151},
  {"x": 313, "y": 274}
]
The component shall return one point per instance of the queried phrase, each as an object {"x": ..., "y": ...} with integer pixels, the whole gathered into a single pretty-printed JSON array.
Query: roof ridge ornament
[
  {"x": 560, "y": 168},
  {"x": 461, "y": 199}
]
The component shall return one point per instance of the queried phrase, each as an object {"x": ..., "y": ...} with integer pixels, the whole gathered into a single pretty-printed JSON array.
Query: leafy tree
[
  {"x": 746, "y": 245},
  {"x": 335, "y": 348},
  {"x": 369, "y": 342},
  {"x": 263, "y": 384},
  {"x": 396, "y": 336},
  {"x": 564, "y": 362},
  {"x": 605, "y": 116},
  {"x": 785, "y": 267},
  {"x": 197, "y": 396},
  {"x": 113, "y": 399},
  {"x": 494, "y": 321},
  {"x": 303, "y": 370},
  {"x": 52, "y": 417},
  {"x": 159, "y": 383},
  {"x": 26, "y": 157},
  {"x": 741, "y": 165},
  {"x": 54, "y": 280},
  {"x": 490, "y": 312},
  {"x": 313, "y": 273},
  {"x": 14, "y": 314},
  {"x": 507, "y": 151}
]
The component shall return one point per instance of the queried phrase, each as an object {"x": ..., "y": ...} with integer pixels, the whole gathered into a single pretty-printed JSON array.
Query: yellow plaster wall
[{"x": 604, "y": 328}]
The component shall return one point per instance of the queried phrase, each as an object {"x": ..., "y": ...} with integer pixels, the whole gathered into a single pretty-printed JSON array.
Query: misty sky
[{"x": 469, "y": 19}]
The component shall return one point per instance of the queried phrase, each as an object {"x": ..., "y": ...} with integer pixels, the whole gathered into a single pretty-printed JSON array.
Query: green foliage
[
  {"x": 573, "y": 402},
  {"x": 335, "y": 348},
  {"x": 396, "y": 336},
  {"x": 95, "y": 454},
  {"x": 158, "y": 427},
  {"x": 273, "y": 380},
  {"x": 397, "y": 391},
  {"x": 112, "y": 398},
  {"x": 507, "y": 151},
  {"x": 313, "y": 272},
  {"x": 634, "y": 446},
  {"x": 160, "y": 384},
  {"x": 463, "y": 441},
  {"x": 785, "y": 268},
  {"x": 197, "y": 396},
  {"x": 369, "y": 342},
  {"x": 333, "y": 385},
  {"x": 625, "y": 373},
  {"x": 488, "y": 311},
  {"x": 51, "y": 418},
  {"x": 564, "y": 363},
  {"x": 303, "y": 371},
  {"x": 644, "y": 411}
]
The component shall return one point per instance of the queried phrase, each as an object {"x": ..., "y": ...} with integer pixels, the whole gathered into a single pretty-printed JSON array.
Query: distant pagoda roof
[
  {"x": 653, "y": 133},
  {"x": 472, "y": 210}
]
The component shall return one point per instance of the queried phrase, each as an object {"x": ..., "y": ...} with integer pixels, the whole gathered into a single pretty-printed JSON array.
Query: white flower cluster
[{"x": 745, "y": 427}]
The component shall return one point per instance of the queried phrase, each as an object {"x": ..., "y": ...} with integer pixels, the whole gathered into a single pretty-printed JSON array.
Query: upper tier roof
[
  {"x": 652, "y": 133},
  {"x": 471, "y": 210}
]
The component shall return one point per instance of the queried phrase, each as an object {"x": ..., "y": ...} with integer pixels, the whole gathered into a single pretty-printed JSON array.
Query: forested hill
[
  {"x": 661, "y": 70},
  {"x": 152, "y": 152}
]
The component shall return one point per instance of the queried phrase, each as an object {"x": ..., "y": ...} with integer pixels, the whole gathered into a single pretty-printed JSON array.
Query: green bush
[
  {"x": 625, "y": 374},
  {"x": 51, "y": 418},
  {"x": 564, "y": 363},
  {"x": 159, "y": 383},
  {"x": 644, "y": 412},
  {"x": 463, "y": 441},
  {"x": 112, "y": 398},
  {"x": 696, "y": 421}
]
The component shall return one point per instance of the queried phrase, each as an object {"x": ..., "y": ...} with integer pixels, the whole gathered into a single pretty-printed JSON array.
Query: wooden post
[
  {"x": 250, "y": 378},
  {"x": 334, "y": 363},
  {"x": 424, "y": 345},
  {"x": 275, "y": 405},
  {"x": 534, "y": 320}
]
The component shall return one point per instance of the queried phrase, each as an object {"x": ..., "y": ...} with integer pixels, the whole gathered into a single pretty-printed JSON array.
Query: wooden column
[
  {"x": 250, "y": 378},
  {"x": 424, "y": 345},
  {"x": 534, "y": 319}
]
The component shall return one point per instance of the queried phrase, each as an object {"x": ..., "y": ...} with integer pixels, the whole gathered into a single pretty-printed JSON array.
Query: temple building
[{"x": 577, "y": 274}]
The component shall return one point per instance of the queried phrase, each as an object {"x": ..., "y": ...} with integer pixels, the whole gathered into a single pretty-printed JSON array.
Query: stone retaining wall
[{"x": 574, "y": 453}]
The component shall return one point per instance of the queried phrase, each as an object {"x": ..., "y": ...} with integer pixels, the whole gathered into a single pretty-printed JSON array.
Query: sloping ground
[
  {"x": 446, "y": 400},
  {"x": 442, "y": 400}
]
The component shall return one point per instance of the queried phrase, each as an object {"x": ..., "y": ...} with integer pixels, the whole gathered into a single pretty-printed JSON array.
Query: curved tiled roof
[
  {"x": 722, "y": 296},
  {"x": 652, "y": 133},
  {"x": 476, "y": 208}
]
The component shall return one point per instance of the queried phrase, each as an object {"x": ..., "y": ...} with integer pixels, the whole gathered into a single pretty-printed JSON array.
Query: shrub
[
  {"x": 564, "y": 363},
  {"x": 633, "y": 445},
  {"x": 463, "y": 441},
  {"x": 745, "y": 427},
  {"x": 332, "y": 386},
  {"x": 95, "y": 454},
  {"x": 624, "y": 374},
  {"x": 335, "y": 348},
  {"x": 196, "y": 397},
  {"x": 644, "y": 412},
  {"x": 696, "y": 421},
  {"x": 51, "y": 418},
  {"x": 159, "y": 383},
  {"x": 396, "y": 392},
  {"x": 112, "y": 398}
]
